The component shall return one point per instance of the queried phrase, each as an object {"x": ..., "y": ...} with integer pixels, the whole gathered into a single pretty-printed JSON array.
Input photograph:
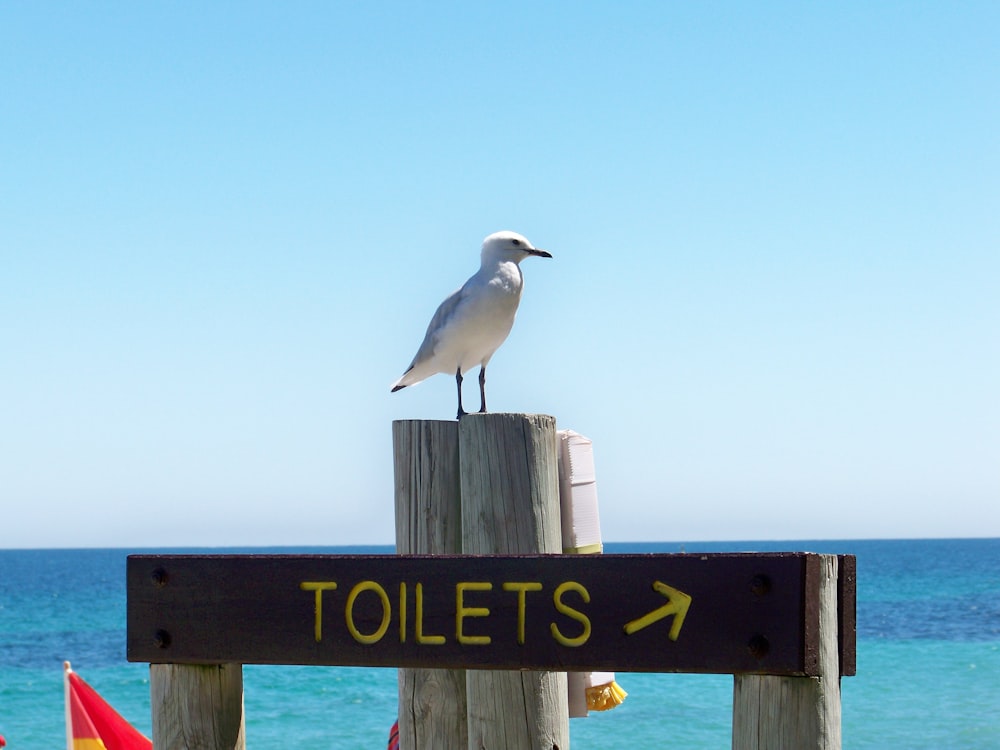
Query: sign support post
[
  {"x": 796, "y": 713},
  {"x": 197, "y": 706},
  {"x": 510, "y": 506},
  {"x": 432, "y": 706}
]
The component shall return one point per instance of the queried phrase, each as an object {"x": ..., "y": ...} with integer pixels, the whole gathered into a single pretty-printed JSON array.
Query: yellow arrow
[{"x": 677, "y": 605}]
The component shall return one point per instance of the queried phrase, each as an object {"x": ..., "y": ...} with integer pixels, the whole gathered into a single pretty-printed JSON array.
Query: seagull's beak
[{"x": 540, "y": 253}]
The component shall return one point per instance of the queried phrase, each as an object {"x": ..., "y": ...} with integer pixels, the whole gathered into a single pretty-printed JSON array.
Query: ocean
[{"x": 928, "y": 658}]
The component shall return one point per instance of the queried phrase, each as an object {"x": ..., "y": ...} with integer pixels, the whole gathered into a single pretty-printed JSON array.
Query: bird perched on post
[{"x": 472, "y": 323}]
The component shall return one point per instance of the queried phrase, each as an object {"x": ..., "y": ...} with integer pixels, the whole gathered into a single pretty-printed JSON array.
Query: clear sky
[{"x": 774, "y": 302}]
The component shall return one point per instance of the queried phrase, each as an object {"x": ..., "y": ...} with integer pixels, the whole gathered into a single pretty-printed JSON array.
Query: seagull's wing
[
  {"x": 443, "y": 316},
  {"x": 421, "y": 367}
]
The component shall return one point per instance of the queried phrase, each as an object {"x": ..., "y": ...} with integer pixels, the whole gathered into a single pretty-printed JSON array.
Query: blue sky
[{"x": 773, "y": 302}]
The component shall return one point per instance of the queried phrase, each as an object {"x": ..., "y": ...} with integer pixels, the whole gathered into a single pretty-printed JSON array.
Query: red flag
[{"x": 92, "y": 724}]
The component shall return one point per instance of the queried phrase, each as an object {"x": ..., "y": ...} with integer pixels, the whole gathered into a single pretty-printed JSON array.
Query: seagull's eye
[{"x": 516, "y": 242}]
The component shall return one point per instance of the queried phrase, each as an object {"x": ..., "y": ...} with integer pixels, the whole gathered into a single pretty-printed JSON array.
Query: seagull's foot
[
  {"x": 461, "y": 413},
  {"x": 482, "y": 410}
]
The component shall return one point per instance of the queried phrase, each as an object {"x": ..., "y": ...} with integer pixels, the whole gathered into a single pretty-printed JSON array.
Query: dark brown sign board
[{"x": 711, "y": 613}]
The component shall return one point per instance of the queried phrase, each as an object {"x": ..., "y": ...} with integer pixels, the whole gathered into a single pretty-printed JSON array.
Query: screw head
[
  {"x": 758, "y": 646},
  {"x": 760, "y": 584}
]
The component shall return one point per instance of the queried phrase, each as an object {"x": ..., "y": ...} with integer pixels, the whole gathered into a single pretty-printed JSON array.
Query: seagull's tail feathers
[{"x": 409, "y": 378}]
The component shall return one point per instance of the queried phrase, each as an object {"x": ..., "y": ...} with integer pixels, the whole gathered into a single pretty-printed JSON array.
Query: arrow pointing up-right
[{"x": 677, "y": 605}]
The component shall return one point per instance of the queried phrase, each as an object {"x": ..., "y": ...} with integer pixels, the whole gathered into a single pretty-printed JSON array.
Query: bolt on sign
[{"x": 721, "y": 613}]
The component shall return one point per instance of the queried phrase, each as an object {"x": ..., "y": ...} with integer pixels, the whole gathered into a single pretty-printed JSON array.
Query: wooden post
[
  {"x": 795, "y": 713},
  {"x": 432, "y": 708},
  {"x": 510, "y": 505},
  {"x": 197, "y": 707}
]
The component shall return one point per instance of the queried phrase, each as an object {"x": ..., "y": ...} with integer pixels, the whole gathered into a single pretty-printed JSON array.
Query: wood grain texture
[
  {"x": 510, "y": 505},
  {"x": 509, "y": 484},
  {"x": 432, "y": 703},
  {"x": 796, "y": 713},
  {"x": 428, "y": 503},
  {"x": 197, "y": 707}
]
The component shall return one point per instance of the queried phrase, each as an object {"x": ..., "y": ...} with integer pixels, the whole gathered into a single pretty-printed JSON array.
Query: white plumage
[{"x": 471, "y": 324}]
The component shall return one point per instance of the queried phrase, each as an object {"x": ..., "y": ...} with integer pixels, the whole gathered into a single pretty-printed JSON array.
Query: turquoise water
[{"x": 928, "y": 659}]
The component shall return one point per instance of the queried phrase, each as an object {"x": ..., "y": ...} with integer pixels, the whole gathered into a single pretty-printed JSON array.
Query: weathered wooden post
[
  {"x": 486, "y": 485},
  {"x": 432, "y": 708},
  {"x": 510, "y": 505},
  {"x": 197, "y": 707},
  {"x": 796, "y": 713}
]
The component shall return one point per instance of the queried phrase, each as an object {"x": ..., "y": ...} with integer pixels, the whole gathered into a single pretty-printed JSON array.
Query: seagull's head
[{"x": 510, "y": 246}]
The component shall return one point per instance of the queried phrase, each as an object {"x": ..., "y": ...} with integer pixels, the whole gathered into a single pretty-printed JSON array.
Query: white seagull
[{"x": 472, "y": 323}]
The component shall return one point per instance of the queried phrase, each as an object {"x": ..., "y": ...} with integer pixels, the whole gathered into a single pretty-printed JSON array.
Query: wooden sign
[{"x": 712, "y": 613}]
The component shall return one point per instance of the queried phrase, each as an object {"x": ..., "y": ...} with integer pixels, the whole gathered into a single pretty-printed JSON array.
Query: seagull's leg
[
  {"x": 458, "y": 380},
  {"x": 482, "y": 389}
]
